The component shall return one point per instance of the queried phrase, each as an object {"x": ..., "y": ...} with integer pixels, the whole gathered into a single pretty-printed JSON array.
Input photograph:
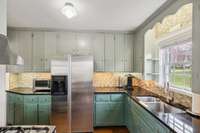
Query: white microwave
[{"x": 41, "y": 85}]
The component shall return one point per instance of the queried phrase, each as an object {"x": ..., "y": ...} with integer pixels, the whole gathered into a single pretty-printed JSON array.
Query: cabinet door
[
  {"x": 44, "y": 111},
  {"x": 19, "y": 109},
  {"x": 84, "y": 44},
  {"x": 38, "y": 51},
  {"x": 109, "y": 52},
  {"x": 10, "y": 108},
  {"x": 103, "y": 114},
  {"x": 25, "y": 48},
  {"x": 128, "y": 53},
  {"x": 66, "y": 43},
  {"x": 50, "y": 42},
  {"x": 98, "y": 51},
  {"x": 20, "y": 43},
  {"x": 117, "y": 111},
  {"x": 119, "y": 52},
  {"x": 30, "y": 109},
  {"x": 30, "y": 114}
]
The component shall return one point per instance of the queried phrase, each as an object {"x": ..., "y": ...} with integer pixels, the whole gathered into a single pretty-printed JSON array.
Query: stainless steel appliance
[
  {"x": 28, "y": 129},
  {"x": 81, "y": 93},
  {"x": 41, "y": 85},
  {"x": 59, "y": 93},
  {"x": 59, "y": 85},
  {"x": 74, "y": 108}
]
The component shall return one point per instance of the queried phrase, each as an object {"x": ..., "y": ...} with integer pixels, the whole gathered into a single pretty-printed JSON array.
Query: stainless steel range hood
[{"x": 7, "y": 57}]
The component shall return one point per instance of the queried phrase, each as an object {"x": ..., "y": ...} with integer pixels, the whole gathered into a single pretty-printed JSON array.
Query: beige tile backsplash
[
  {"x": 24, "y": 79},
  {"x": 113, "y": 80},
  {"x": 110, "y": 79}
]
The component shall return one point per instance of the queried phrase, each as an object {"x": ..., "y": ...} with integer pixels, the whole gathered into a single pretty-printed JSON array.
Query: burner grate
[{"x": 24, "y": 130}]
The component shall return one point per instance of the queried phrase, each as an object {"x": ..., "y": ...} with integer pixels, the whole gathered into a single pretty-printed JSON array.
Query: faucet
[{"x": 169, "y": 92}]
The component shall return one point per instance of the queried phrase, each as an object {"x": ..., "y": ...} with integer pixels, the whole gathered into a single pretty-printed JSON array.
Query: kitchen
[{"x": 69, "y": 66}]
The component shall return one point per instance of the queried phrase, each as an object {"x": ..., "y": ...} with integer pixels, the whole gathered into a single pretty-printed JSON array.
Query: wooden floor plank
[{"x": 111, "y": 130}]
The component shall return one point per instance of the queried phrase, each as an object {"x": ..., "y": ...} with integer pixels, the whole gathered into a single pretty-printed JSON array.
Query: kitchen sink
[
  {"x": 156, "y": 105},
  {"x": 162, "y": 107},
  {"x": 148, "y": 99}
]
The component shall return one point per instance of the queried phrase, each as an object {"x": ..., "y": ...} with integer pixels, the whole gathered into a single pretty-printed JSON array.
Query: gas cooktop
[{"x": 28, "y": 129}]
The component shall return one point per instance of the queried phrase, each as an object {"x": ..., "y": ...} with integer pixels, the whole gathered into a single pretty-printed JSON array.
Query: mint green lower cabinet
[
  {"x": 19, "y": 111},
  {"x": 44, "y": 110},
  {"x": 109, "y": 110},
  {"x": 10, "y": 108},
  {"x": 44, "y": 114},
  {"x": 19, "y": 114},
  {"x": 30, "y": 114},
  {"x": 28, "y": 109},
  {"x": 121, "y": 110}
]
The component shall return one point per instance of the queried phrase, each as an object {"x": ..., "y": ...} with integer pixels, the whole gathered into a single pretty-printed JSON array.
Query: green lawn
[{"x": 181, "y": 80}]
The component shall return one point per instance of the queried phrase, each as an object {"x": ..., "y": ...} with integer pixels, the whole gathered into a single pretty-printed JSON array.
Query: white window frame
[{"x": 171, "y": 39}]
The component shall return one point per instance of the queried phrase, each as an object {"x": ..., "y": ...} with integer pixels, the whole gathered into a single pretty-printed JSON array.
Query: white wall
[
  {"x": 3, "y": 17},
  {"x": 140, "y": 32},
  {"x": 196, "y": 48},
  {"x": 2, "y": 95},
  {"x": 3, "y": 30},
  {"x": 195, "y": 57}
]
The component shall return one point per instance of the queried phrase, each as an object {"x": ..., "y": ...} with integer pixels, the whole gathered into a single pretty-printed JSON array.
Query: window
[{"x": 176, "y": 65}]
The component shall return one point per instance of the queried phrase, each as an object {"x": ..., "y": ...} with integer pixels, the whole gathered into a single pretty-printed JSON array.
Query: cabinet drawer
[
  {"x": 44, "y": 99},
  {"x": 31, "y": 99},
  {"x": 117, "y": 97},
  {"x": 102, "y": 97},
  {"x": 19, "y": 98}
]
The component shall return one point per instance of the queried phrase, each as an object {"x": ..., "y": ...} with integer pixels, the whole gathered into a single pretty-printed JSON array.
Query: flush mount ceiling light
[{"x": 69, "y": 10}]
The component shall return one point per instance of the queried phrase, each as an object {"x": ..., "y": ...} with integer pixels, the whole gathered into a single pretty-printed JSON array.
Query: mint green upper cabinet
[
  {"x": 128, "y": 54},
  {"x": 124, "y": 52},
  {"x": 66, "y": 43},
  {"x": 20, "y": 43},
  {"x": 98, "y": 51},
  {"x": 119, "y": 52},
  {"x": 38, "y": 51},
  {"x": 109, "y": 52},
  {"x": 50, "y": 49},
  {"x": 84, "y": 43},
  {"x": 25, "y": 48}
]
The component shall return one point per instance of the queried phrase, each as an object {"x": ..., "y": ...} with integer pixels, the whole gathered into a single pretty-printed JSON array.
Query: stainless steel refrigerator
[{"x": 80, "y": 93}]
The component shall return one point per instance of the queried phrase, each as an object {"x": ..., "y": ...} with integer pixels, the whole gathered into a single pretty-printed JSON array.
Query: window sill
[{"x": 181, "y": 91}]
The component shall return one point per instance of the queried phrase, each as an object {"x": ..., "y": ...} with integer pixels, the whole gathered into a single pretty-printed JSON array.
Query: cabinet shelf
[
  {"x": 152, "y": 59},
  {"x": 153, "y": 74}
]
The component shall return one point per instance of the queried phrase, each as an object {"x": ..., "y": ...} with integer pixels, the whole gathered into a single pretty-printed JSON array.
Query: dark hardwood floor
[{"x": 111, "y": 130}]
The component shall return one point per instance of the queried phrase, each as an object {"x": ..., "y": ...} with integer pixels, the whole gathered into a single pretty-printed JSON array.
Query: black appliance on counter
[{"x": 129, "y": 85}]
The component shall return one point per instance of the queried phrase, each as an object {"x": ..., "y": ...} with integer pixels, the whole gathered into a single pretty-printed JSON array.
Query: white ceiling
[{"x": 120, "y": 15}]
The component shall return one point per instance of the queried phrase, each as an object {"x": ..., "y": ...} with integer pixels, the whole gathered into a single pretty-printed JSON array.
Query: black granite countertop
[
  {"x": 27, "y": 91},
  {"x": 176, "y": 122}
]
